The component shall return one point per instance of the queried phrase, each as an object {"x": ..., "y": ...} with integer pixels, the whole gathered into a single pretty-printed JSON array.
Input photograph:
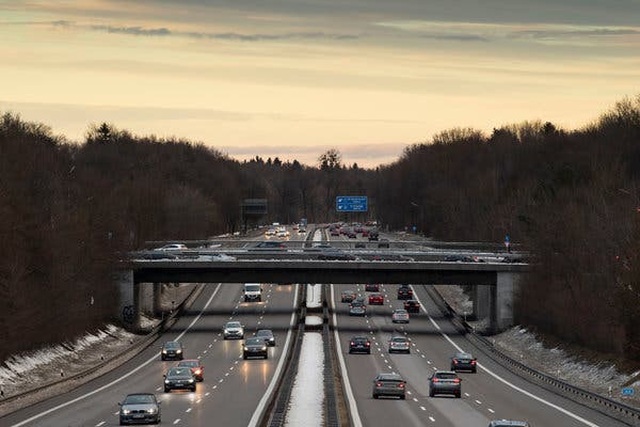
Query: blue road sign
[
  {"x": 627, "y": 391},
  {"x": 352, "y": 204}
]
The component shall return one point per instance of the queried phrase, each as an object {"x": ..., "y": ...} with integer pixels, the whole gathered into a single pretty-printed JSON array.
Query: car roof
[
  {"x": 172, "y": 344},
  {"x": 254, "y": 339},
  {"x": 186, "y": 361},
  {"x": 389, "y": 376},
  {"x": 465, "y": 355},
  {"x": 508, "y": 423},
  {"x": 264, "y": 332},
  {"x": 178, "y": 370}
]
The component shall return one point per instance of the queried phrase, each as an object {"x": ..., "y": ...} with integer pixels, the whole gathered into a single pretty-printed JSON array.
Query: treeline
[{"x": 572, "y": 198}]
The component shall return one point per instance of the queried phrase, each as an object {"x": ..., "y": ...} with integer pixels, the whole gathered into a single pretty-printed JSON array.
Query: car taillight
[
  {"x": 455, "y": 361},
  {"x": 456, "y": 380},
  {"x": 401, "y": 385},
  {"x": 378, "y": 384},
  {"x": 473, "y": 362},
  {"x": 352, "y": 343},
  {"x": 198, "y": 371},
  {"x": 435, "y": 380}
]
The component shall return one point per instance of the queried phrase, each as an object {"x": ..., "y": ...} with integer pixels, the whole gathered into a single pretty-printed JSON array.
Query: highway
[{"x": 234, "y": 390}]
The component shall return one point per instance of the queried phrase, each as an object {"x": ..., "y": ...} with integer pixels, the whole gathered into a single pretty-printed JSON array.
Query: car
[
  {"x": 233, "y": 330},
  {"x": 172, "y": 350},
  {"x": 334, "y": 232},
  {"x": 445, "y": 382},
  {"x": 267, "y": 336},
  {"x": 400, "y": 315},
  {"x": 269, "y": 245},
  {"x": 463, "y": 362},
  {"x": 359, "y": 344},
  {"x": 270, "y": 232},
  {"x": 372, "y": 287},
  {"x": 139, "y": 408},
  {"x": 196, "y": 368},
  {"x": 348, "y": 295},
  {"x": 389, "y": 384},
  {"x": 508, "y": 423},
  {"x": 405, "y": 292},
  {"x": 357, "y": 308},
  {"x": 179, "y": 378},
  {"x": 412, "y": 306},
  {"x": 252, "y": 292},
  {"x": 399, "y": 344},
  {"x": 336, "y": 254},
  {"x": 373, "y": 235},
  {"x": 376, "y": 299},
  {"x": 255, "y": 347},
  {"x": 383, "y": 243},
  {"x": 172, "y": 247}
]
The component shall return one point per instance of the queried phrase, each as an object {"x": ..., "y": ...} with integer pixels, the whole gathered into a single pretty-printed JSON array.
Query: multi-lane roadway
[{"x": 235, "y": 391}]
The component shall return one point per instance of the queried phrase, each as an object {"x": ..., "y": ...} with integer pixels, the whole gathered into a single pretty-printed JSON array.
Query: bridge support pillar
[
  {"x": 482, "y": 301},
  {"x": 503, "y": 296},
  {"x": 157, "y": 299},
  {"x": 129, "y": 300}
]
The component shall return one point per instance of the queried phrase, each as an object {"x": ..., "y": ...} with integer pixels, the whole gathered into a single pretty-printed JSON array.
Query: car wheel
[
  {"x": 375, "y": 396},
  {"x": 167, "y": 390},
  {"x": 162, "y": 358},
  {"x": 402, "y": 397},
  {"x": 431, "y": 393},
  {"x": 266, "y": 356},
  {"x": 368, "y": 351},
  {"x": 457, "y": 395},
  {"x": 122, "y": 423},
  {"x": 244, "y": 356},
  {"x": 473, "y": 371},
  {"x": 193, "y": 389}
]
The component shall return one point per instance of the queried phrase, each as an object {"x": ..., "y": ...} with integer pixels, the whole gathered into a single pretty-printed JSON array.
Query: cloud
[
  {"x": 166, "y": 32},
  {"x": 576, "y": 33}
]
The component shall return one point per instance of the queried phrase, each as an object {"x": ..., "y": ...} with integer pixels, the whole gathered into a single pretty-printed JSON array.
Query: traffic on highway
[{"x": 400, "y": 359}]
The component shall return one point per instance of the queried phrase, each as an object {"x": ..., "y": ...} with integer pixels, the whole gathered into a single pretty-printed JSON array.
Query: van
[{"x": 252, "y": 292}]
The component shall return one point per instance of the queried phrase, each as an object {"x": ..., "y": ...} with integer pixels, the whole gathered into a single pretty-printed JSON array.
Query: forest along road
[{"x": 232, "y": 390}]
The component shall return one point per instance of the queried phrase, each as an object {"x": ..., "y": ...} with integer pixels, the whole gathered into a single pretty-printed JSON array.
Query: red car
[
  {"x": 412, "y": 306},
  {"x": 376, "y": 299},
  {"x": 195, "y": 366}
]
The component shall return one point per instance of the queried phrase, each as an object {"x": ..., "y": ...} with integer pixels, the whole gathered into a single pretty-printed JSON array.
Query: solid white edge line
[
  {"x": 353, "y": 408},
  {"x": 257, "y": 414},
  {"x": 502, "y": 380},
  {"x": 117, "y": 380}
]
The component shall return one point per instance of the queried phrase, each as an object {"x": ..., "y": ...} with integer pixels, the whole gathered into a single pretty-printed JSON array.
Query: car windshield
[
  {"x": 233, "y": 324},
  {"x": 464, "y": 356},
  {"x": 254, "y": 341},
  {"x": 252, "y": 288},
  {"x": 446, "y": 375},
  {"x": 264, "y": 333},
  {"x": 172, "y": 345},
  {"x": 399, "y": 339},
  {"x": 133, "y": 399},
  {"x": 179, "y": 372},
  {"x": 189, "y": 363}
]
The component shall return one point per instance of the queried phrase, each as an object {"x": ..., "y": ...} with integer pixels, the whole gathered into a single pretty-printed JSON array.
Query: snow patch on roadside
[{"x": 307, "y": 395}]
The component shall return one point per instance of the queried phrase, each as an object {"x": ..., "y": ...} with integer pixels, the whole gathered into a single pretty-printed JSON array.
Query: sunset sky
[{"x": 294, "y": 78}]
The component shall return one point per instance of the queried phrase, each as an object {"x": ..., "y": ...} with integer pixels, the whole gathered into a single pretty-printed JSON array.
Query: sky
[{"x": 294, "y": 78}]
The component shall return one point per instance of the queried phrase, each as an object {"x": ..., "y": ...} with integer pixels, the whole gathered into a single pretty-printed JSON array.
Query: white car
[
  {"x": 172, "y": 247},
  {"x": 233, "y": 329}
]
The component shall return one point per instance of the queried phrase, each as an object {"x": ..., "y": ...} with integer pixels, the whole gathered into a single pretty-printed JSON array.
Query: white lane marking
[
  {"x": 423, "y": 408},
  {"x": 507, "y": 383},
  {"x": 128, "y": 374},
  {"x": 188, "y": 410},
  {"x": 491, "y": 410},
  {"x": 276, "y": 375},
  {"x": 177, "y": 421},
  {"x": 101, "y": 423},
  {"x": 433, "y": 420}
]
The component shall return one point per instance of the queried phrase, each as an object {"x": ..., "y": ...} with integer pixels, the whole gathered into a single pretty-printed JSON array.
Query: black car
[
  {"x": 172, "y": 350},
  {"x": 508, "y": 423},
  {"x": 373, "y": 235},
  {"x": 405, "y": 292},
  {"x": 267, "y": 336},
  {"x": 463, "y": 362},
  {"x": 389, "y": 384},
  {"x": 412, "y": 306},
  {"x": 255, "y": 347},
  {"x": 359, "y": 344},
  {"x": 139, "y": 408},
  {"x": 179, "y": 378}
]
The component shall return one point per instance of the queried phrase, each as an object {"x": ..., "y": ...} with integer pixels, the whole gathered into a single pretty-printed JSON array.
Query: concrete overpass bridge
[{"x": 494, "y": 283}]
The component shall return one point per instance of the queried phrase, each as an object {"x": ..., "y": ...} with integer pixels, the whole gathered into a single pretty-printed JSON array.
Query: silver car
[
  {"x": 400, "y": 315},
  {"x": 139, "y": 408},
  {"x": 400, "y": 344},
  {"x": 233, "y": 329},
  {"x": 508, "y": 423}
]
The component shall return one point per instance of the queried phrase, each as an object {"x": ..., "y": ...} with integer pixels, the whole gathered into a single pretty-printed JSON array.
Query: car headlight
[
  {"x": 246, "y": 348},
  {"x": 179, "y": 351},
  {"x": 164, "y": 351},
  {"x": 152, "y": 410},
  {"x": 167, "y": 382},
  {"x": 264, "y": 347},
  {"x": 191, "y": 380},
  {"x": 125, "y": 411}
]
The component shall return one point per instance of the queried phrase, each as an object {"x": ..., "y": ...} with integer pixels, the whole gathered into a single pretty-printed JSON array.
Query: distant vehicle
[
  {"x": 400, "y": 315},
  {"x": 255, "y": 347},
  {"x": 172, "y": 350},
  {"x": 399, "y": 344},
  {"x": 405, "y": 292},
  {"x": 463, "y": 362},
  {"x": 139, "y": 408},
  {"x": 348, "y": 295},
  {"x": 383, "y": 243},
  {"x": 376, "y": 299},
  {"x": 357, "y": 308},
  {"x": 233, "y": 329},
  {"x": 222, "y": 257},
  {"x": 359, "y": 344},
  {"x": 172, "y": 247},
  {"x": 334, "y": 232},
  {"x": 373, "y": 234},
  {"x": 179, "y": 379},
  {"x": 336, "y": 254},
  {"x": 389, "y": 384},
  {"x": 270, "y": 232},
  {"x": 252, "y": 292},
  {"x": 267, "y": 336},
  {"x": 269, "y": 245},
  {"x": 360, "y": 245},
  {"x": 445, "y": 382},
  {"x": 372, "y": 287},
  {"x": 412, "y": 306},
  {"x": 196, "y": 368},
  {"x": 508, "y": 423}
]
